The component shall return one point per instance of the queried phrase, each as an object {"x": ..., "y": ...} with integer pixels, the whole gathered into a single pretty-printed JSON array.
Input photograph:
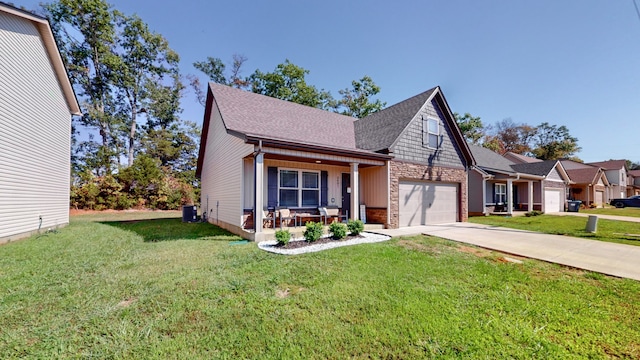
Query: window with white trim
[
  {"x": 430, "y": 133},
  {"x": 298, "y": 188},
  {"x": 501, "y": 193}
]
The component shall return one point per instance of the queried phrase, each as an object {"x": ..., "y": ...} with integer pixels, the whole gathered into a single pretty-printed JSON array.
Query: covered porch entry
[
  {"x": 506, "y": 194},
  {"x": 288, "y": 186}
]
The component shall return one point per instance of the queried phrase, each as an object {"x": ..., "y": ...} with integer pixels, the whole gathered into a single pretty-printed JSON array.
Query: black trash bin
[{"x": 574, "y": 206}]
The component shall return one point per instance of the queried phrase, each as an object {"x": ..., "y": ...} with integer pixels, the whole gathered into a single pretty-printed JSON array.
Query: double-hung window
[
  {"x": 501, "y": 193},
  {"x": 430, "y": 133},
  {"x": 299, "y": 188}
]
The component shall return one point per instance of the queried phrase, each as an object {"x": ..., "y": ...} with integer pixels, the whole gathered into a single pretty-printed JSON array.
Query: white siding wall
[
  {"x": 222, "y": 173},
  {"x": 35, "y": 127}
]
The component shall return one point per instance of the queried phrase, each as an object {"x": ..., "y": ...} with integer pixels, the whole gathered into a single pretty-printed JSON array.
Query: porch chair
[
  {"x": 332, "y": 212},
  {"x": 266, "y": 216},
  {"x": 285, "y": 214}
]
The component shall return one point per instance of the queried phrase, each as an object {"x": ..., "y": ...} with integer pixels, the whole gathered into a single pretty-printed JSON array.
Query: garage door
[
  {"x": 599, "y": 198},
  {"x": 553, "y": 201},
  {"x": 425, "y": 203}
]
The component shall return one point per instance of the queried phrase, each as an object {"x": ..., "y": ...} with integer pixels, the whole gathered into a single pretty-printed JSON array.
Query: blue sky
[{"x": 569, "y": 62}]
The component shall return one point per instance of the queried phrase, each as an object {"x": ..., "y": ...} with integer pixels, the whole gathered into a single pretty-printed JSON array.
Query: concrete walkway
[
  {"x": 608, "y": 217},
  {"x": 599, "y": 256}
]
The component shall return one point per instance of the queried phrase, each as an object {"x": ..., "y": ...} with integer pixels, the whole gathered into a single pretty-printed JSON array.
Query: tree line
[{"x": 132, "y": 148}]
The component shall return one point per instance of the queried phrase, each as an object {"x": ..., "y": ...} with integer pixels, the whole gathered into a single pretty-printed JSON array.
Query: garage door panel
[
  {"x": 423, "y": 203},
  {"x": 553, "y": 201},
  {"x": 600, "y": 198}
]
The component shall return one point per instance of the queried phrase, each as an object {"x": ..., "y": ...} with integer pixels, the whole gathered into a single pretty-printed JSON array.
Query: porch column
[
  {"x": 509, "y": 196},
  {"x": 484, "y": 196},
  {"x": 258, "y": 171},
  {"x": 355, "y": 192},
  {"x": 530, "y": 195}
]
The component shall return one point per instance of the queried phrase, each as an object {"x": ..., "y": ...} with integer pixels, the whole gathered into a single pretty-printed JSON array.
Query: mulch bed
[{"x": 303, "y": 243}]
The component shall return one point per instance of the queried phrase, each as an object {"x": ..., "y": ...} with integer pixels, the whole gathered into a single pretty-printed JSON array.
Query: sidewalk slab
[{"x": 608, "y": 258}]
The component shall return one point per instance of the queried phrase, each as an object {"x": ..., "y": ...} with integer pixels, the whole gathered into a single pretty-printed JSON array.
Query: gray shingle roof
[
  {"x": 610, "y": 164},
  {"x": 379, "y": 130},
  {"x": 542, "y": 168},
  {"x": 584, "y": 175},
  {"x": 490, "y": 160},
  {"x": 262, "y": 116}
]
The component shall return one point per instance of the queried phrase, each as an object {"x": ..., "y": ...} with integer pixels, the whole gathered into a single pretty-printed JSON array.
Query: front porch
[
  {"x": 286, "y": 188},
  {"x": 508, "y": 196}
]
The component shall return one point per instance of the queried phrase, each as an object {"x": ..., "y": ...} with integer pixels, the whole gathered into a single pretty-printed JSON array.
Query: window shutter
[
  {"x": 272, "y": 186},
  {"x": 425, "y": 132},
  {"x": 324, "y": 188}
]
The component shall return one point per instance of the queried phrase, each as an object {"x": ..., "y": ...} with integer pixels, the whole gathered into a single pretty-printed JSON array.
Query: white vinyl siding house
[
  {"x": 36, "y": 104},
  {"x": 221, "y": 197}
]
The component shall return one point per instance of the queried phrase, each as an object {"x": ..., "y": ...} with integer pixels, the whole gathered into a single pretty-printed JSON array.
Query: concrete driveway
[{"x": 599, "y": 256}]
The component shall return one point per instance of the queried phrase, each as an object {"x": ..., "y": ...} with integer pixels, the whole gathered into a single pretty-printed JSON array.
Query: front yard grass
[
  {"x": 627, "y": 211},
  {"x": 622, "y": 232},
  {"x": 127, "y": 290}
]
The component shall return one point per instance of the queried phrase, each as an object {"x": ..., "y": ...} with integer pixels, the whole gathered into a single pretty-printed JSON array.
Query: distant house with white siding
[{"x": 36, "y": 105}]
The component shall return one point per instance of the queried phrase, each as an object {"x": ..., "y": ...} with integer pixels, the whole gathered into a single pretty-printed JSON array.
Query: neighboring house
[
  {"x": 498, "y": 184},
  {"x": 36, "y": 104},
  {"x": 633, "y": 183},
  {"x": 406, "y": 164},
  {"x": 616, "y": 171},
  {"x": 589, "y": 183}
]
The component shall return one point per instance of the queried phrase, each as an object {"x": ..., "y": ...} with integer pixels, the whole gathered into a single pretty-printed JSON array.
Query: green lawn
[
  {"x": 628, "y": 211},
  {"x": 163, "y": 289},
  {"x": 622, "y": 232}
]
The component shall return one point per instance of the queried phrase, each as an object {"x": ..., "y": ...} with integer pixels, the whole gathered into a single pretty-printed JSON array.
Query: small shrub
[
  {"x": 533, "y": 213},
  {"x": 338, "y": 230},
  {"x": 313, "y": 231},
  {"x": 355, "y": 227},
  {"x": 283, "y": 237}
]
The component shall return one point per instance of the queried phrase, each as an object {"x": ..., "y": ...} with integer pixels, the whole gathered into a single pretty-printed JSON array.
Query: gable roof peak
[{"x": 378, "y": 131}]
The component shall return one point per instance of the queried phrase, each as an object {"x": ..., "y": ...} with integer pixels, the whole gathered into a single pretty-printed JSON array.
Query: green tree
[
  {"x": 145, "y": 59},
  {"x": 515, "y": 137},
  {"x": 554, "y": 142},
  {"x": 85, "y": 32},
  {"x": 471, "y": 127},
  {"x": 633, "y": 165},
  {"x": 287, "y": 82},
  {"x": 357, "y": 101},
  {"x": 166, "y": 137},
  {"x": 216, "y": 71}
]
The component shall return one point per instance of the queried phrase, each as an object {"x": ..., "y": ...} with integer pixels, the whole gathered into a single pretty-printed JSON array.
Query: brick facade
[
  {"x": 409, "y": 171},
  {"x": 376, "y": 215}
]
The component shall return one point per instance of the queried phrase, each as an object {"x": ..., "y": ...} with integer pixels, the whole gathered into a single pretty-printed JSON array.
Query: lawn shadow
[{"x": 155, "y": 230}]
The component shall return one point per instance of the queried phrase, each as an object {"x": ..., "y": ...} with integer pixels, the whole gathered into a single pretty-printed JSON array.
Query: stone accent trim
[{"x": 410, "y": 171}]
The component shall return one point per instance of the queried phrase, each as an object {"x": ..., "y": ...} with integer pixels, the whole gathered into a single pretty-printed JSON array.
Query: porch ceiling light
[{"x": 318, "y": 161}]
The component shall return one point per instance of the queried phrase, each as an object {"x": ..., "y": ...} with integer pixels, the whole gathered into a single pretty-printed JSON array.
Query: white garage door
[
  {"x": 553, "y": 200},
  {"x": 425, "y": 203},
  {"x": 599, "y": 198}
]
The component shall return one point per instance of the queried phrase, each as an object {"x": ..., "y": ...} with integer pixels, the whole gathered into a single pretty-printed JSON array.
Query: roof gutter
[{"x": 252, "y": 139}]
